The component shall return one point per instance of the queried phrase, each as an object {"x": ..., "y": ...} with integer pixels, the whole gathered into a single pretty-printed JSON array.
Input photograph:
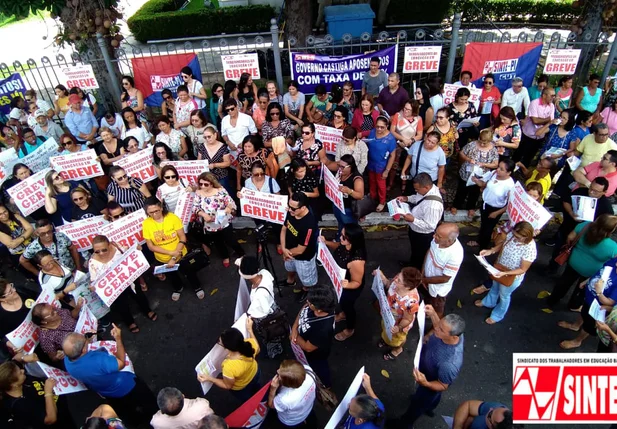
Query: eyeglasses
[
  {"x": 79, "y": 199},
  {"x": 153, "y": 212},
  {"x": 258, "y": 174},
  {"x": 67, "y": 143},
  {"x": 171, "y": 177},
  {"x": 98, "y": 252},
  {"x": 292, "y": 209},
  {"x": 342, "y": 167},
  {"x": 231, "y": 109},
  {"x": 338, "y": 116},
  {"x": 4, "y": 213},
  {"x": 118, "y": 216},
  {"x": 204, "y": 184},
  {"x": 488, "y": 83},
  {"x": 441, "y": 117},
  {"x": 123, "y": 177},
  {"x": 11, "y": 290},
  {"x": 208, "y": 137},
  {"x": 58, "y": 177},
  {"x": 125, "y": 84},
  {"x": 275, "y": 113},
  {"x": 28, "y": 100},
  {"x": 601, "y": 135},
  {"x": 306, "y": 133},
  {"x": 167, "y": 98},
  {"x": 46, "y": 232}
]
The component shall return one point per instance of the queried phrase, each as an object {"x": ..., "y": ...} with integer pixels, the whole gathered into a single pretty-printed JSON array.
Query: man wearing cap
[
  {"x": 80, "y": 121},
  {"x": 40, "y": 104},
  {"x": 15, "y": 116},
  {"x": 45, "y": 128}
]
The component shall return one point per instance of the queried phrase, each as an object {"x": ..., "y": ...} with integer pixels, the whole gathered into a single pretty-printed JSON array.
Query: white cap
[{"x": 15, "y": 113}]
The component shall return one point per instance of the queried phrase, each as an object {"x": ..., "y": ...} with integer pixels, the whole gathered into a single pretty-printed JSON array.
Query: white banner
[
  {"x": 91, "y": 299},
  {"x": 330, "y": 137},
  {"x": 521, "y": 207},
  {"x": 111, "y": 348},
  {"x": 384, "y": 307},
  {"x": 561, "y": 61},
  {"x": 115, "y": 279},
  {"x": 421, "y": 318},
  {"x": 184, "y": 208},
  {"x": 343, "y": 406},
  {"x": 189, "y": 170},
  {"x": 235, "y": 65},
  {"x": 87, "y": 322},
  {"x": 299, "y": 353},
  {"x": 127, "y": 230},
  {"x": 331, "y": 186},
  {"x": 422, "y": 59},
  {"x": 81, "y": 76},
  {"x": 243, "y": 300},
  {"x": 77, "y": 166},
  {"x": 29, "y": 194},
  {"x": 264, "y": 206},
  {"x": 8, "y": 159},
  {"x": 449, "y": 92},
  {"x": 83, "y": 231},
  {"x": 336, "y": 273},
  {"x": 39, "y": 159},
  {"x": 139, "y": 165},
  {"x": 65, "y": 383},
  {"x": 26, "y": 335}
]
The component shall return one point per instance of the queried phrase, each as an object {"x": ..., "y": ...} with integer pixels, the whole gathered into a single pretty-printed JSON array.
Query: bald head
[
  {"x": 446, "y": 234},
  {"x": 73, "y": 345}
]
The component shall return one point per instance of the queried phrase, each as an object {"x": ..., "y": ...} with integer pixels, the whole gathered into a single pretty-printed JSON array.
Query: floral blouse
[
  {"x": 309, "y": 154},
  {"x": 283, "y": 129},
  {"x": 447, "y": 140},
  {"x": 183, "y": 110},
  {"x": 245, "y": 162},
  {"x": 472, "y": 150},
  {"x": 173, "y": 140},
  {"x": 399, "y": 305},
  {"x": 214, "y": 205},
  {"x": 457, "y": 117},
  {"x": 509, "y": 134}
]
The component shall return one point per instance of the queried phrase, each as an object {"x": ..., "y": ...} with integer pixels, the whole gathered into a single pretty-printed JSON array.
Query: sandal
[
  {"x": 379, "y": 208},
  {"x": 176, "y": 295},
  {"x": 342, "y": 336},
  {"x": 134, "y": 328},
  {"x": 381, "y": 344},
  {"x": 569, "y": 344},
  {"x": 390, "y": 356},
  {"x": 200, "y": 293},
  {"x": 161, "y": 277},
  {"x": 478, "y": 303},
  {"x": 479, "y": 290},
  {"x": 153, "y": 316},
  {"x": 568, "y": 325}
]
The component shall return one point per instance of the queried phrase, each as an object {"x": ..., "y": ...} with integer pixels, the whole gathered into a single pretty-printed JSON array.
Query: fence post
[
  {"x": 110, "y": 68},
  {"x": 456, "y": 26},
  {"x": 274, "y": 29},
  {"x": 609, "y": 61}
]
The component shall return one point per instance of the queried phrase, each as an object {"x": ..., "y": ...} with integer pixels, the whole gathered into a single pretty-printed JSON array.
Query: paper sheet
[
  {"x": 421, "y": 324},
  {"x": 597, "y": 312},
  {"x": 573, "y": 162},
  {"x": 396, "y": 207},
  {"x": 469, "y": 122},
  {"x": 482, "y": 260},
  {"x": 160, "y": 269},
  {"x": 584, "y": 208},
  {"x": 606, "y": 273}
]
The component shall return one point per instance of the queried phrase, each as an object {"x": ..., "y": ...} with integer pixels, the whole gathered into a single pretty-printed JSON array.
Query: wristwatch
[{"x": 173, "y": 258}]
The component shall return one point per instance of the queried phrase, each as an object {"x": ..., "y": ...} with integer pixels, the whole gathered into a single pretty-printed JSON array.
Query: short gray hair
[
  {"x": 456, "y": 324},
  {"x": 170, "y": 401},
  {"x": 601, "y": 126},
  {"x": 423, "y": 179},
  {"x": 396, "y": 75},
  {"x": 517, "y": 80},
  {"x": 73, "y": 345},
  {"x": 213, "y": 422}
]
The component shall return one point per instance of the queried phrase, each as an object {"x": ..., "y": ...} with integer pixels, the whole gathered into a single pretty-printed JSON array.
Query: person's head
[
  {"x": 32, "y": 108},
  {"x": 273, "y": 91},
  {"x": 408, "y": 279},
  {"x": 450, "y": 328},
  {"x": 210, "y": 135},
  {"x": 129, "y": 118},
  {"x": 274, "y": 112},
  {"x": 217, "y": 91},
  {"x": 118, "y": 175},
  {"x": 545, "y": 165},
  {"x": 322, "y": 298},
  {"x": 74, "y": 345},
  {"x": 186, "y": 74},
  {"x": 44, "y": 260},
  {"x": 131, "y": 144},
  {"x": 167, "y": 95},
  {"x": 308, "y": 131},
  {"x": 374, "y": 64},
  {"x": 291, "y": 373},
  {"x": 535, "y": 190},
  {"x": 21, "y": 171},
  {"x": 249, "y": 268},
  {"x": 367, "y": 103},
  {"x": 115, "y": 210},
  {"x": 207, "y": 181},
  {"x": 462, "y": 95},
  {"x": 106, "y": 134},
  {"x": 7, "y": 290},
  {"x": 422, "y": 94},
  {"x": 393, "y": 80},
  {"x": 566, "y": 82},
  {"x": 598, "y": 187},
  {"x": 292, "y": 87},
  {"x": 517, "y": 84},
  {"x": 183, "y": 93},
  {"x": 198, "y": 119},
  {"x": 601, "y": 133},
  {"x": 213, "y": 421},
  {"x": 263, "y": 100},
  {"x": 340, "y": 114},
  {"x": 348, "y": 88},
  {"x": 128, "y": 82},
  {"x": 233, "y": 340},
  {"x": 230, "y": 107},
  {"x": 466, "y": 77},
  {"x": 506, "y": 116},
  {"x": 44, "y": 314},
  {"x": 485, "y": 138},
  {"x": 600, "y": 229},
  {"x": 78, "y": 91},
  {"x": 505, "y": 168},
  {"x": 442, "y": 116},
  {"x": 53, "y": 180},
  {"x": 161, "y": 152},
  {"x": 499, "y": 418},
  {"x": 298, "y": 168},
  {"x": 29, "y": 136},
  {"x": 258, "y": 171},
  {"x": 230, "y": 89},
  {"x": 6, "y": 217},
  {"x": 163, "y": 124},
  {"x": 336, "y": 93},
  {"x": 446, "y": 234},
  {"x": 95, "y": 423},
  {"x": 609, "y": 160},
  {"x": 100, "y": 247},
  {"x": 542, "y": 82},
  {"x": 594, "y": 81},
  {"x": 80, "y": 197},
  {"x": 567, "y": 117},
  {"x": 321, "y": 92},
  {"x": 347, "y": 165},
  {"x": 584, "y": 119},
  {"x": 45, "y": 230},
  {"x": 411, "y": 108},
  {"x": 75, "y": 101},
  {"x": 41, "y": 117},
  {"x": 155, "y": 208},
  {"x": 431, "y": 140},
  {"x": 246, "y": 80},
  {"x": 381, "y": 125},
  {"x": 488, "y": 81},
  {"x": 170, "y": 175},
  {"x": 251, "y": 144},
  {"x": 523, "y": 232},
  {"x": 350, "y": 135},
  {"x": 170, "y": 400},
  {"x": 11, "y": 376},
  {"x": 352, "y": 235},
  {"x": 422, "y": 183},
  {"x": 364, "y": 409},
  {"x": 61, "y": 91},
  {"x": 298, "y": 205},
  {"x": 548, "y": 95}
]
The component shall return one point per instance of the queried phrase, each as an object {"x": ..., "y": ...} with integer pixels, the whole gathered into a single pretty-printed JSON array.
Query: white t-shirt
[
  {"x": 269, "y": 186},
  {"x": 195, "y": 87},
  {"x": 262, "y": 299},
  {"x": 471, "y": 84},
  {"x": 170, "y": 194},
  {"x": 294, "y": 405},
  {"x": 244, "y": 126},
  {"x": 140, "y": 133},
  {"x": 443, "y": 262},
  {"x": 497, "y": 192},
  {"x": 117, "y": 128},
  {"x": 43, "y": 105}
]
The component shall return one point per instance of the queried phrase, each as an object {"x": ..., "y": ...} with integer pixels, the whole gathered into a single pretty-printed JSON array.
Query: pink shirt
[
  {"x": 192, "y": 412},
  {"x": 610, "y": 118},
  {"x": 537, "y": 110},
  {"x": 594, "y": 170}
]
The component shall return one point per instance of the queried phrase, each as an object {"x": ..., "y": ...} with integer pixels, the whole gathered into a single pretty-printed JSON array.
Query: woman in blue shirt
[
  {"x": 382, "y": 151},
  {"x": 559, "y": 135},
  {"x": 365, "y": 411}
]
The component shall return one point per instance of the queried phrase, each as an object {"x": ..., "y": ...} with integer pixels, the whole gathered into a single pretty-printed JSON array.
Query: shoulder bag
[
  {"x": 276, "y": 324},
  {"x": 566, "y": 249},
  {"x": 504, "y": 280},
  {"x": 325, "y": 396}
]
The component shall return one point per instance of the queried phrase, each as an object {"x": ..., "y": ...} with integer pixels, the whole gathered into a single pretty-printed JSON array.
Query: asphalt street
[{"x": 165, "y": 352}]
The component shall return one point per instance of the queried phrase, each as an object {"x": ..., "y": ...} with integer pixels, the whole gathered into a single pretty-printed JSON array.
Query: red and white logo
[{"x": 559, "y": 388}]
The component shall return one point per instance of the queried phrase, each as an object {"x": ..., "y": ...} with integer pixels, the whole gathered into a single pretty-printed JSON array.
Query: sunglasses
[
  {"x": 204, "y": 184},
  {"x": 275, "y": 113},
  {"x": 118, "y": 216},
  {"x": 58, "y": 177},
  {"x": 123, "y": 177},
  {"x": 258, "y": 174},
  {"x": 125, "y": 84},
  {"x": 293, "y": 209},
  {"x": 306, "y": 133},
  {"x": 231, "y": 109},
  {"x": 167, "y": 98},
  {"x": 171, "y": 177},
  {"x": 79, "y": 199},
  {"x": 64, "y": 144},
  {"x": 98, "y": 252},
  {"x": 488, "y": 83}
]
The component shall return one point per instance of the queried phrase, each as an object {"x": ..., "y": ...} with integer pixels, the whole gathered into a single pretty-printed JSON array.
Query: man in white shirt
[
  {"x": 235, "y": 125},
  {"x": 114, "y": 122},
  {"x": 465, "y": 81},
  {"x": 516, "y": 97},
  {"x": 441, "y": 265},
  {"x": 177, "y": 412},
  {"x": 426, "y": 213}
]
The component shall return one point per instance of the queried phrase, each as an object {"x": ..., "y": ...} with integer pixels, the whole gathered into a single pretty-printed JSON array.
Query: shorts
[
  {"x": 307, "y": 270},
  {"x": 438, "y": 302}
]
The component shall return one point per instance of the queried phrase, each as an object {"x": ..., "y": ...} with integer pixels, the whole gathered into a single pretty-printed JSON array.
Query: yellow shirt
[
  {"x": 163, "y": 234},
  {"x": 592, "y": 151},
  {"x": 546, "y": 182},
  {"x": 242, "y": 370}
]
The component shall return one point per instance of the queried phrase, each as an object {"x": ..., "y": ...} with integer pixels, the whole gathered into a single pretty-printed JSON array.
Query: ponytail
[
  {"x": 247, "y": 349},
  {"x": 233, "y": 340}
]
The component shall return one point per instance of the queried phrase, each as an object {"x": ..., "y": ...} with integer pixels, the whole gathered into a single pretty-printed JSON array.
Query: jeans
[
  {"x": 498, "y": 298},
  {"x": 343, "y": 218}
]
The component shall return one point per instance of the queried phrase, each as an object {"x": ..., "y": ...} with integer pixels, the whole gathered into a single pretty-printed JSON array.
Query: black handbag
[
  {"x": 275, "y": 325},
  {"x": 360, "y": 208},
  {"x": 195, "y": 260}
]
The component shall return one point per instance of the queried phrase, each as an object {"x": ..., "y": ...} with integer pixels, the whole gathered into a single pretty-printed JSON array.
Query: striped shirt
[
  {"x": 443, "y": 261},
  {"x": 131, "y": 199},
  {"x": 427, "y": 213}
]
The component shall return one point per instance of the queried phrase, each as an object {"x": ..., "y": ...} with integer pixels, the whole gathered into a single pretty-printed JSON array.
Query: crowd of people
[{"x": 394, "y": 146}]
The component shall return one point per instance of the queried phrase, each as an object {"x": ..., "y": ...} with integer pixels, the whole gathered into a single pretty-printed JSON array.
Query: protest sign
[
  {"x": 112, "y": 348},
  {"x": 252, "y": 413},
  {"x": 521, "y": 207},
  {"x": 83, "y": 231},
  {"x": 384, "y": 306},
  {"x": 211, "y": 363},
  {"x": 189, "y": 170},
  {"x": 8, "y": 159},
  {"x": 584, "y": 208},
  {"x": 421, "y": 318},
  {"x": 449, "y": 92},
  {"x": 91, "y": 299},
  {"x": 10, "y": 88},
  {"x": 343, "y": 406},
  {"x": 264, "y": 206},
  {"x": 311, "y": 70},
  {"x": 87, "y": 322},
  {"x": 26, "y": 335},
  {"x": 77, "y": 166},
  {"x": 561, "y": 61},
  {"x": 422, "y": 59},
  {"x": 336, "y": 273},
  {"x": 184, "y": 208},
  {"x": 162, "y": 269},
  {"x": 65, "y": 383},
  {"x": 120, "y": 275},
  {"x": 330, "y": 137},
  {"x": 235, "y": 65},
  {"x": 243, "y": 300},
  {"x": 80, "y": 76},
  {"x": 332, "y": 188},
  {"x": 127, "y": 230},
  {"x": 29, "y": 194},
  {"x": 299, "y": 353},
  {"x": 139, "y": 165},
  {"x": 39, "y": 159}
]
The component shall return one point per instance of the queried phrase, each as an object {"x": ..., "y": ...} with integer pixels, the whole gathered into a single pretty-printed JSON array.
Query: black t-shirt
[
  {"x": 319, "y": 331},
  {"x": 94, "y": 209},
  {"x": 302, "y": 232},
  {"x": 349, "y": 182},
  {"x": 10, "y": 320},
  {"x": 307, "y": 184},
  {"x": 603, "y": 207}
]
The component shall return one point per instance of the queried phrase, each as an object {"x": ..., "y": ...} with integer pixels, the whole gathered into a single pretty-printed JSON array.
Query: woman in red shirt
[{"x": 489, "y": 100}]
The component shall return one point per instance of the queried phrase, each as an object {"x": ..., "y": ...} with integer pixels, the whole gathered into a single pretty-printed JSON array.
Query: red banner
[
  {"x": 127, "y": 230},
  {"x": 252, "y": 413},
  {"x": 139, "y": 165},
  {"x": 29, "y": 194},
  {"x": 82, "y": 232},
  {"x": 79, "y": 165}
]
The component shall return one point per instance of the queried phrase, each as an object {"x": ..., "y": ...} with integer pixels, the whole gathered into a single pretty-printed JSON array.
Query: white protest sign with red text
[
  {"x": 343, "y": 406},
  {"x": 336, "y": 273},
  {"x": 329, "y": 136},
  {"x": 83, "y": 231},
  {"x": 8, "y": 159},
  {"x": 189, "y": 170},
  {"x": 26, "y": 335},
  {"x": 65, "y": 383},
  {"x": 449, "y": 92},
  {"x": 139, "y": 165},
  {"x": 77, "y": 166},
  {"x": 96, "y": 306},
  {"x": 561, "y": 61},
  {"x": 264, "y": 206},
  {"x": 422, "y": 59},
  {"x": 521, "y": 207},
  {"x": 115, "y": 279},
  {"x": 184, "y": 208},
  {"x": 299, "y": 353},
  {"x": 81, "y": 76},
  {"x": 39, "y": 159},
  {"x": 29, "y": 194},
  {"x": 127, "y": 230},
  {"x": 331, "y": 186},
  {"x": 235, "y": 65},
  {"x": 87, "y": 322},
  {"x": 111, "y": 348}
]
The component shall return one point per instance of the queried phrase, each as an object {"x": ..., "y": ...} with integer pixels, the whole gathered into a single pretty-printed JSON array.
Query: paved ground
[{"x": 165, "y": 352}]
